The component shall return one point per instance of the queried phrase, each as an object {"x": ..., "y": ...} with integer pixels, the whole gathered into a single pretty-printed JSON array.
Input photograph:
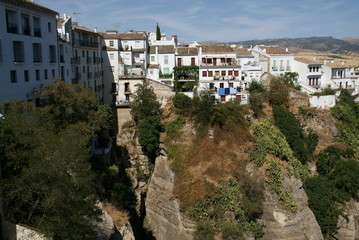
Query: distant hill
[{"x": 323, "y": 44}]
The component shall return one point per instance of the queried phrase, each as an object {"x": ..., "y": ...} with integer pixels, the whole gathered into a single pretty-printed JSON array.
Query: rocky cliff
[{"x": 163, "y": 213}]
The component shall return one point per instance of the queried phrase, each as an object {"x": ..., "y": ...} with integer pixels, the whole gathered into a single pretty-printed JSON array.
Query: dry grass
[{"x": 120, "y": 217}]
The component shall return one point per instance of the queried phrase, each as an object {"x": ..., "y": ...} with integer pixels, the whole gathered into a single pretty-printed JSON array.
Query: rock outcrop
[
  {"x": 282, "y": 223},
  {"x": 162, "y": 208},
  {"x": 349, "y": 230}
]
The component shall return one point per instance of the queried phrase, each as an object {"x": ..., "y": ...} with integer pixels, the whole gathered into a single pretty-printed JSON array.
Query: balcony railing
[
  {"x": 281, "y": 68},
  {"x": 225, "y": 78},
  {"x": 12, "y": 28},
  {"x": 75, "y": 60},
  {"x": 37, "y": 32},
  {"x": 219, "y": 64},
  {"x": 274, "y": 68},
  {"x": 288, "y": 69},
  {"x": 86, "y": 43}
]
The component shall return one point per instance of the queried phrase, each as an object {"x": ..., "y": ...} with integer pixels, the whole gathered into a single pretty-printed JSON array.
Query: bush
[
  {"x": 255, "y": 87},
  {"x": 149, "y": 136},
  {"x": 302, "y": 145},
  {"x": 183, "y": 104},
  {"x": 256, "y": 101},
  {"x": 278, "y": 93},
  {"x": 174, "y": 126}
]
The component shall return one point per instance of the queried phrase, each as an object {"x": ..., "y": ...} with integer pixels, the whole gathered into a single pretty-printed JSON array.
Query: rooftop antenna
[{"x": 76, "y": 15}]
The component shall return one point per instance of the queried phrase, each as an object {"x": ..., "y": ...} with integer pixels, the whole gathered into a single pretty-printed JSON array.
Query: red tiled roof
[{"x": 273, "y": 49}]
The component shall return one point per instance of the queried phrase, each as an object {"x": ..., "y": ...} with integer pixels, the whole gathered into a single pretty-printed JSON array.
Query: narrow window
[
  {"x": 18, "y": 48},
  {"x": 37, "y": 74},
  {"x": 26, "y": 75},
  {"x": 13, "y": 78},
  {"x": 37, "y": 55}
]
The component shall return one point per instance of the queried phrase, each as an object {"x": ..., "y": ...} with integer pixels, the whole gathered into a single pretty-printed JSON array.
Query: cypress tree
[{"x": 158, "y": 33}]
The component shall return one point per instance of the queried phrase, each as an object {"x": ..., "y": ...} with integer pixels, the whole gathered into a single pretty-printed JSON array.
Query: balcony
[
  {"x": 128, "y": 90},
  {"x": 89, "y": 60},
  {"x": 226, "y": 78},
  {"x": 98, "y": 74},
  {"x": 86, "y": 43},
  {"x": 281, "y": 68},
  {"x": 288, "y": 69},
  {"x": 75, "y": 60},
  {"x": 219, "y": 64},
  {"x": 37, "y": 32},
  {"x": 12, "y": 28}
]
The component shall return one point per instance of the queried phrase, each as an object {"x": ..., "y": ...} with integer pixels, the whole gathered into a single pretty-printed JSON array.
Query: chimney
[
  {"x": 65, "y": 16},
  {"x": 95, "y": 29},
  {"x": 314, "y": 58},
  {"x": 286, "y": 49},
  {"x": 156, "y": 50}
]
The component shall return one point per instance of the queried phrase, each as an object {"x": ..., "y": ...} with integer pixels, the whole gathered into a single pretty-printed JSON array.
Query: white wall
[{"x": 324, "y": 102}]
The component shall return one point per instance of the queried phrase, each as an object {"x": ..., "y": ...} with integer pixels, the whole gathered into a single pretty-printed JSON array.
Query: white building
[
  {"x": 64, "y": 30},
  {"x": 163, "y": 41},
  {"x": 339, "y": 75},
  {"x": 251, "y": 70},
  {"x": 162, "y": 60},
  {"x": 310, "y": 74},
  {"x": 273, "y": 59},
  {"x": 219, "y": 72},
  {"x": 87, "y": 59},
  {"x": 28, "y": 49}
]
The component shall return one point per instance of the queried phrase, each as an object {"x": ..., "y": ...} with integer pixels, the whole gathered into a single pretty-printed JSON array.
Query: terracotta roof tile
[
  {"x": 132, "y": 36},
  {"x": 242, "y": 51},
  {"x": 187, "y": 51},
  {"x": 27, "y": 3},
  {"x": 162, "y": 49},
  {"x": 217, "y": 49},
  {"x": 81, "y": 28},
  {"x": 153, "y": 66}
]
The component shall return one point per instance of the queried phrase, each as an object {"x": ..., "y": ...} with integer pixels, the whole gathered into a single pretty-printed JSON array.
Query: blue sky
[{"x": 221, "y": 20}]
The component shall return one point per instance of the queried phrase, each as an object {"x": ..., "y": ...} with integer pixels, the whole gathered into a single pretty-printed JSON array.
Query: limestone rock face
[
  {"x": 106, "y": 227},
  {"x": 282, "y": 223},
  {"x": 349, "y": 230},
  {"x": 162, "y": 208},
  {"x": 127, "y": 232}
]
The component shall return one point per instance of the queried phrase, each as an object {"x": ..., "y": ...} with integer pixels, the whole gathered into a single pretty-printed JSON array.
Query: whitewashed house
[
  {"x": 339, "y": 75},
  {"x": 28, "y": 49},
  {"x": 162, "y": 61},
  {"x": 310, "y": 74},
  {"x": 220, "y": 73},
  {"x": 251, "y": 70},
  {"x": 152, "y": 41},
  {"x": 273, "y": 59}
]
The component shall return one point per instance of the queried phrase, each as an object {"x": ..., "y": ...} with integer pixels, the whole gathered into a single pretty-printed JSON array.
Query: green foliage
[
  {"x": 149, "y": 136},
  {"x": 144, "y": 102},
  {"x": 255, "y": 87},
  {"x": 325, "y": 91},
  {"x": 225, "y": 210},
  {"x": 301, "y": 144},
  {"x": 123, "y": 195},
  {"x": 321, "y": 200},
  {"x": 106, "y": 112},
  {"x": 347, "y": 111},
  {"x": 46, "y": 180},
  {"x": 256, "y": 101},
  {"x": 278, "y": 92},
  {"x": 165, "y": 75},
  {"x": 203, "y": 108},
  {"x": 290, "y": 79},
  {"x": 183, "y": 104},
  {"x": 228, "y": 116},
  {"x": 185, "y": 72},
  {"x": 158, "y": 33}
]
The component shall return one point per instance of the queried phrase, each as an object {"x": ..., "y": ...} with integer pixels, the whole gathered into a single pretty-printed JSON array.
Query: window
[
  {"x": 193, "y": 61},
  {"x": 83, "y": 69},
  {"x": 36, "y": 47},
  {"x": 221, "y": 85},
  {"x": 166, "y": 70},
  {"x": 83, "y": 53},
  {"x": 49, "y": 26},
  {"x": 152, "y": 58},
  {"x": 25, "y": 24},
  {"x": 166, "y": 59},
  {"x": 112, "y": 68},
  {"x": 236, "y": 73},
  {"x": 230, "y": 73},
  {"x": 111, "y": 44},
  {"x": 11, "y": 21},
  {"x": 37, "y": 74},
  {"x": 26, "y": 75},
  {"x": 223, "y": 73},
  {"x": 204, "y": 74},
  {"x": 18, "y": 51},
  {"x": 151, "y": 71},
  {"x": 13, "y": 78},
  {"x": 37, "y": 27},
  {"x": 112, "y": 56},
  {"x": 53, "y": 72},
  {"x": 52, "y": 50},
  {"x": 210, "y": 74},
  {"x": 45, "y": 74}
]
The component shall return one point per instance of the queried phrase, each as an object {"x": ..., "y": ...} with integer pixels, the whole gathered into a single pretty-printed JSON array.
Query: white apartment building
[
  {"x": 220, "y": 72},
  {"x": 87, "y": 59},
  {"x": 339, "y": 75},
  {"x": 152, "y": 41},
  {"x": 310, "y": 74},
  {"x": 28, "y": 49},
  {"x": 273, "y": 59},
  {"x": 251, "y": 70},
  {"x": 64, "y": 31}
]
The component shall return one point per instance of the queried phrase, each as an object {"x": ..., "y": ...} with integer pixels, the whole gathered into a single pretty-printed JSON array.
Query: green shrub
[
  {"x": 123, "y": 196},
  {"x": 174, "y": 126},
  {"x": 228, "y": 116},
  {"x": 204, "y": 230},
  {"x": 183, "y": 104},
  {"x": 255, "y": 87},
  {"x": 278, "y": 93},
  {"x": 302, "y": 145},
  {"x": 256, "y": 101},
  {"x": 149, "y": 136}
]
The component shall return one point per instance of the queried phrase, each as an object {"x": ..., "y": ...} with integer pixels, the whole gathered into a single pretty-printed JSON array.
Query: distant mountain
[
  {"x": 322, "y": 44},
  {"x": 352, "y": 40}
]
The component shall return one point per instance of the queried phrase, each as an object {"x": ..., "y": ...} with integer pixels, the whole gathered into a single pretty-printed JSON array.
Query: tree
[
  {"x": 145, "y": 102},
  {"x": 278, "y": 92},
  {"x": 46, "y": 177},
  {"x": 149, "y": 136},
  {"x": 158, "y": 33}
]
